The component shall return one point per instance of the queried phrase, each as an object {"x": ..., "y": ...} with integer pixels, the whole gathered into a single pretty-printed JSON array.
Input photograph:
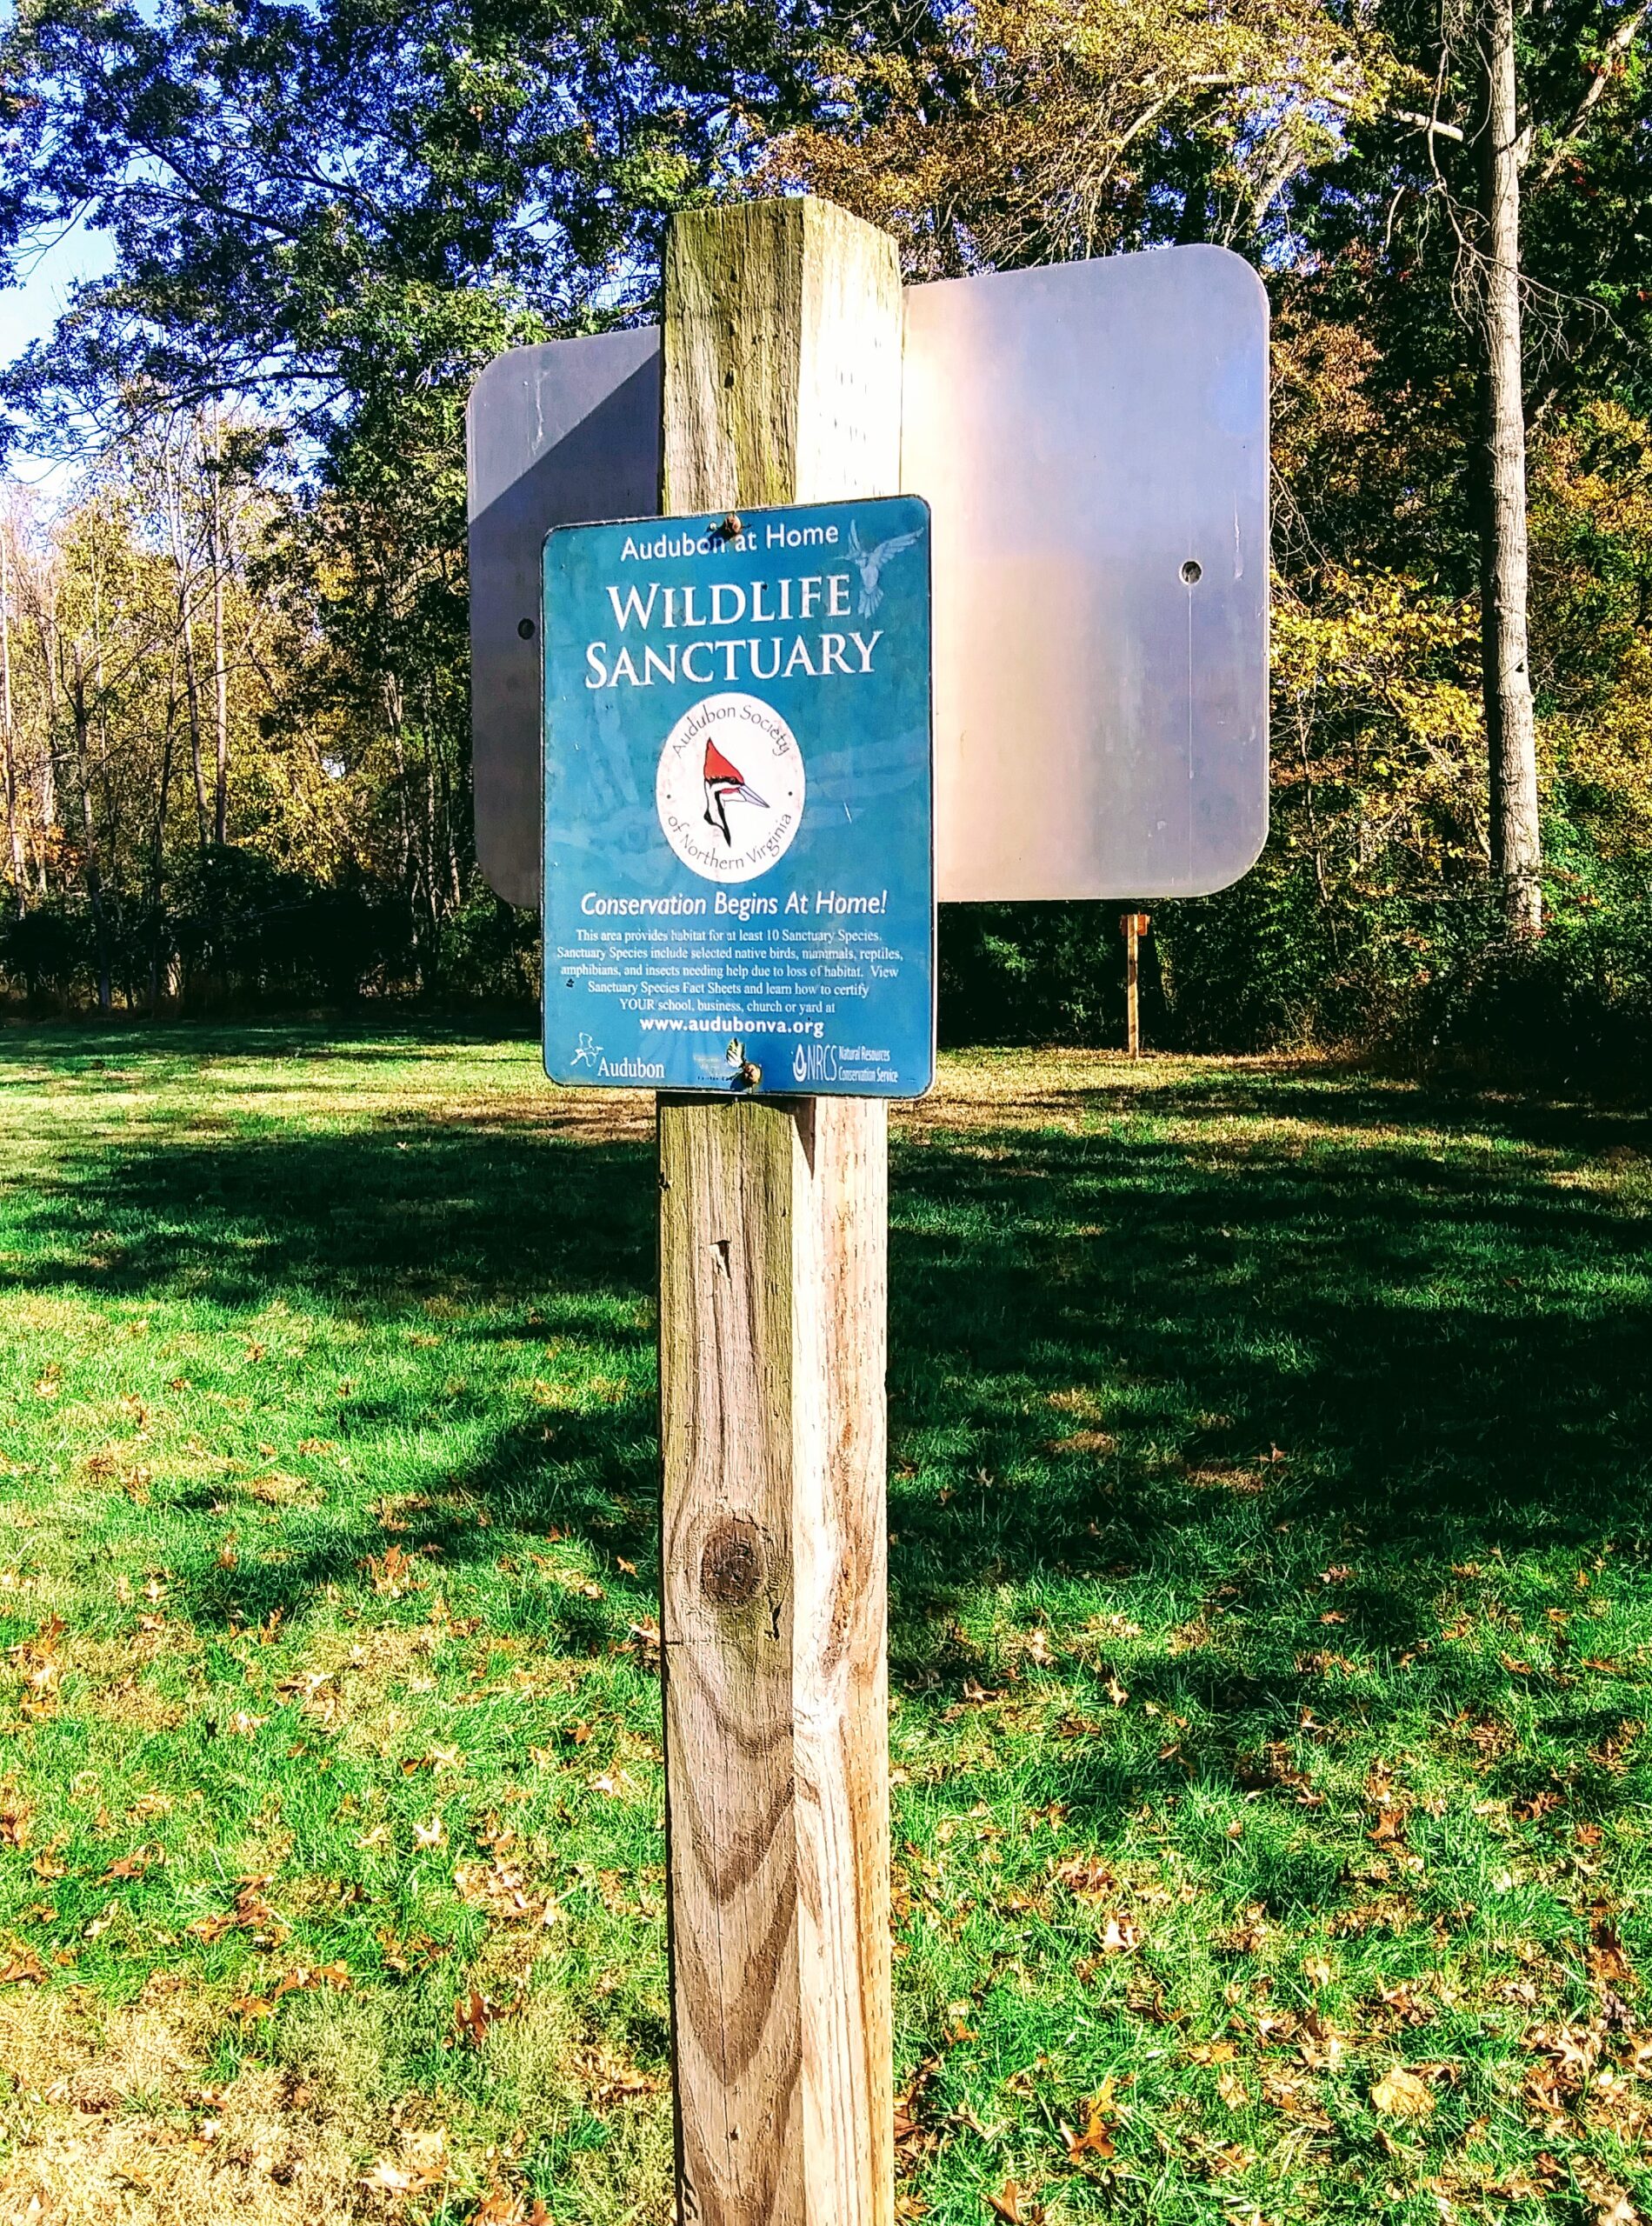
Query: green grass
[{"x": 1271, "y": 1629}]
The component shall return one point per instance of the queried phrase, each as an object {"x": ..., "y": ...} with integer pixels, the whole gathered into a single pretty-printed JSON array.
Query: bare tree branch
[{"x": 1621, "y": 39}]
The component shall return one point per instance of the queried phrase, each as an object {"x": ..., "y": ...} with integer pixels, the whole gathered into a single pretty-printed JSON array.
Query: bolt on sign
[
  {"x": 1093, "y": 441},
  {"x": 738, "y": 891}
]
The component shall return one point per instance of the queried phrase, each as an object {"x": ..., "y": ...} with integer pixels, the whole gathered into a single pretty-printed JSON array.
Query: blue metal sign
[{"x": 739, "y": 889}]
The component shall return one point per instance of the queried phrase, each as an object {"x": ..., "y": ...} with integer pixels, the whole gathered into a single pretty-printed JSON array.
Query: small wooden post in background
[
  {"x": 782, "y": 384},
  {"x": 1135, "y": 925}
]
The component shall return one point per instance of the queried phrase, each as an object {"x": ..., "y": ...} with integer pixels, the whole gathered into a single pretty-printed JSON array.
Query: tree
[
  {"x": 1026, "y": 131},
  {"x": 1511, "y": 726},
  {"x": 337, "y": 214},
  {"x": 1500, "y": 193}
]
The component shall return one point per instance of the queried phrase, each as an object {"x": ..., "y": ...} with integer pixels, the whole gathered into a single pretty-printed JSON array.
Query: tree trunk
[
  {"x": 158, "y": 855},
  {"x": 82, "y": 710},
  {"x": 220, "y": 667},
  {"x": 14, "y": 830},
  {"x": 1517, "y": 839},
  {"x": 47, "y": 630},
  {"x": 192, "y": 694},
  {"x": 181, "y": 566}
]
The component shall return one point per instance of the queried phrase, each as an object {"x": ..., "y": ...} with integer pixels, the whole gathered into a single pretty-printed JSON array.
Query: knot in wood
[{"x": 731, "y": 1563}]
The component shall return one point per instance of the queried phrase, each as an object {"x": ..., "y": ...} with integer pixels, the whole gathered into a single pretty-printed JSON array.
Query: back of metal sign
[
  {"x": 555, "y": 436},
  {"x": 1092, "y": 438}
]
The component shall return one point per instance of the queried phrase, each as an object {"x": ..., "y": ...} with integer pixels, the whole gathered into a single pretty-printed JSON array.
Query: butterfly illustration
[
  {"x": 725, "y": 784},
  {"x": 870, "y": 562}
]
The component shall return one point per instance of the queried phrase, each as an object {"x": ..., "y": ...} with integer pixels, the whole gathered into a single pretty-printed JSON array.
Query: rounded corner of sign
[
  {"x": 1235, "y": 266},
  {"x": 1232, "y": 875},
  {"x": 484, "y": 377},
  {"x": 507, "y": 886}
]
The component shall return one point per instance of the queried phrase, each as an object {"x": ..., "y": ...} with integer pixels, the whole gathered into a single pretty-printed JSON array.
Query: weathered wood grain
[
  {"x": 782, "y": 334},
  {"x": 781, "y": 357}
]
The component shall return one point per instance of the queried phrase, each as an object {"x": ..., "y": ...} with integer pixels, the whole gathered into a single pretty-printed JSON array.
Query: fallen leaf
[
  {"x": 503, "y": 2207},
  {"x": 1519, "y": 2187},
  {"x": 1093, "y": 2141},
  {"x": 1008, "y": 2205},
  {"x": 473, "y": 2013},
  {"x": 1401, "y": 2094},
  {"x": 1617, "y": 2211},
  {"x": 131, "y": 1866},
  {"x": 434, "y": 1834},
  {"x": 424, "y": 2167},
  {"x": 389, "y": 2178},
  {"x": 393, "y": 1572},
  {"x": 1389, "y": 1828}
]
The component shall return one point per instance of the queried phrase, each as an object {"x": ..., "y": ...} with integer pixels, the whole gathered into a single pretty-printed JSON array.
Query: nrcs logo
[{"x": 815, "y": 1063}]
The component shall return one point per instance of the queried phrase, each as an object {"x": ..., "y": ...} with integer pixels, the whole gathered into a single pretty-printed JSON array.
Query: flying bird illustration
[
  {"x": 725, "y": 783},
  {"x": 871, "y": 561}
]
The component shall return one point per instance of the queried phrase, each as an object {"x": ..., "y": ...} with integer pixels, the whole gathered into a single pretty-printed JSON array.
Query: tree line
[{"x": 237, "y": 743}]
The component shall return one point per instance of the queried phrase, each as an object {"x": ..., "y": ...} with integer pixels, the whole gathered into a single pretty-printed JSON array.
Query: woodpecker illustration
[
  {"x": 724, "y": 783},
  {"x": 871, "y": 561}
]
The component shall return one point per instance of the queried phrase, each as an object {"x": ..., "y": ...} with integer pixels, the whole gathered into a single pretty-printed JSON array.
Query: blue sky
[{"x": 27, "y": 312}]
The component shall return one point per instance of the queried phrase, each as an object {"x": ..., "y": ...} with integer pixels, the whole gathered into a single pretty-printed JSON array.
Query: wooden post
[
  {"x": 782, "y": 347},
  {"x": 1133, "y": 924}
]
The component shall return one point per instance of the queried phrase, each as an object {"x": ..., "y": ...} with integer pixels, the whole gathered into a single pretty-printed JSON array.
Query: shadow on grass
[{"x": 1305, "y": 1312}]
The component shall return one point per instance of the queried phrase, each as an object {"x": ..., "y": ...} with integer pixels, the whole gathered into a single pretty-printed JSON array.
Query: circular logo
[{"x": 730, "y": 790}]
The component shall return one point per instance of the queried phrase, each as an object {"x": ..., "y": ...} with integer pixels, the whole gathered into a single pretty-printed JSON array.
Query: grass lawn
[{"x": 1271, "y": 1632}]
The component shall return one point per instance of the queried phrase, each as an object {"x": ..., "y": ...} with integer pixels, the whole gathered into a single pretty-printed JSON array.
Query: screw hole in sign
[
  {"x": 525, "y": 628},
  {"x": 1193, "y": 572}
]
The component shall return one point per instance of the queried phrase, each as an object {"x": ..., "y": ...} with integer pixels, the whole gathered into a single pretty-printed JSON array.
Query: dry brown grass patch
[
  {"x": 1244, "y": 1481},
  {"x": 276, "y": 1488},
  {"x": 112, "y": 2121}
]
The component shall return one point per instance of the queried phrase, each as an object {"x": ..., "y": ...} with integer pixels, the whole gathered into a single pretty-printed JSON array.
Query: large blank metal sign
[{"x": 1092, "y": 439}]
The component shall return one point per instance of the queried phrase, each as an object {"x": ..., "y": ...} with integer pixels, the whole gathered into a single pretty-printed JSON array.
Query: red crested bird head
[{"x": 718, "y": 768}]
